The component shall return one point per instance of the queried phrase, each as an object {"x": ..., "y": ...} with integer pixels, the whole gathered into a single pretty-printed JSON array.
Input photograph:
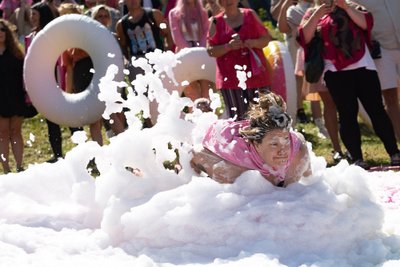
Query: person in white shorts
[{"x": 386, "y": 31}]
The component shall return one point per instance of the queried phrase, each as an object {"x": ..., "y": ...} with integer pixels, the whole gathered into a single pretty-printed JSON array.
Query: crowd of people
[
  {"x": 233, "y": 33},
  {"x": 352, "y": 73}
]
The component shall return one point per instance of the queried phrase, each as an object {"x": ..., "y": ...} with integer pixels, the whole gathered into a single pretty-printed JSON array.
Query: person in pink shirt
[
  {"x": 236, "y": 39},
  {"x": 263, "y": 142},
  {"x": 189, "y": 27}
]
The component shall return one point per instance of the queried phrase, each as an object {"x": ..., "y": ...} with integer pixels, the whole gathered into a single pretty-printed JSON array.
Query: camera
[{"x": 235, "y": 36}]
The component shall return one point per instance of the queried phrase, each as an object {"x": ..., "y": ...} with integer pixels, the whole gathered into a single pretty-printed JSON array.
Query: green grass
[
  {"x": 373, "y": 149},
  {"x": 37, "y": 147}
]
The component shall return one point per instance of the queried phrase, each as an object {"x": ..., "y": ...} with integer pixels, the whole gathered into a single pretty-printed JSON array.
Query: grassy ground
[
  {"x": 37, "y": 148},
  {"x": 373, "y": 149}
]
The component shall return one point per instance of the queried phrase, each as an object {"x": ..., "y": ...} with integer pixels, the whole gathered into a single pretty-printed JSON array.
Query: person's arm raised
[
  {"x": 357, "y": 16},
  {"x": 310, "y": 25},
  {"x": 283, "y": 24}
]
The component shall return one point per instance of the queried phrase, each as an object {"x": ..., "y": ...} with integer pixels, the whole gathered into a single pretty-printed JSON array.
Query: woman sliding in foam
[{"x": 263, "y": 142}]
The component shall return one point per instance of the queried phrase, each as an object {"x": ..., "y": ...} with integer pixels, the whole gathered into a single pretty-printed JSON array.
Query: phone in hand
[{"x": 235, "y": 36}]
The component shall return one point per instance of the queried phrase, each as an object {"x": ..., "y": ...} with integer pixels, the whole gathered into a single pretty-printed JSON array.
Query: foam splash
[{"x": 139, "y": 213}]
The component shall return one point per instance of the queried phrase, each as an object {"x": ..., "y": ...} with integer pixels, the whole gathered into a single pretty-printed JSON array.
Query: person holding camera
[
  {"x": 349, "y": 72},
  {"x": 386, "y": 33}
]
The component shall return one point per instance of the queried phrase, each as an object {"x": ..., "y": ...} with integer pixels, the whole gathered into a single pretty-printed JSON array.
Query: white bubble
[
  {"x": 185, "y": 83},
  {"x": 79, "y": 137}
]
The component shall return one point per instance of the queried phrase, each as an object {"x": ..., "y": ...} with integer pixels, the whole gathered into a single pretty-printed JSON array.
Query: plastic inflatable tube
[
  {"x": 70, "y": 31},
  {"x": 281, "y": 68},
  {"x": 195, "y": 64}
]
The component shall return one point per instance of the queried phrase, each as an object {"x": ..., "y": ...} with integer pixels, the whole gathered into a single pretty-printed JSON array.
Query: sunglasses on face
[{"x": 3, "y": 30}]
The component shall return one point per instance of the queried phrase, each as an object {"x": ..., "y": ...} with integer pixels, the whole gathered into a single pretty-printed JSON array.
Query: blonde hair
[
  {"x": 266, "y": 115},
  {"x": 97, "y": 9},
  {"x": 70, "y": 8}
]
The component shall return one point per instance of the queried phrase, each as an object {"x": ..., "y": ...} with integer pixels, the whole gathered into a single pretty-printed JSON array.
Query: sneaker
[
  {"x": 337, "y": 156},
  {"x": 301, "y": 116},
  {"x": 363, "y": 164},
  {"x": 321, "y": 127},
  {"x": 395, "y": 159}
]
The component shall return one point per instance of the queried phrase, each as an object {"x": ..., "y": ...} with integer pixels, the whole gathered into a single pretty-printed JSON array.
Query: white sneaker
[{"x": 321, "y": 127}]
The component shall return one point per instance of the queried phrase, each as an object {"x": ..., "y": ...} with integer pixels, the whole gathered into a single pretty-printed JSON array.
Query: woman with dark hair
[
  {"x": 41, "y": 15},
  {"x": 12, "y": 96},
  {"x": 263, "y": 142}
]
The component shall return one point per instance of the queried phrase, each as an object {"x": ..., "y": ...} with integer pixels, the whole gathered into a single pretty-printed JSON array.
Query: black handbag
[
  {"x": 375, "y": 49},
  {"x": 314, "y": 62}
]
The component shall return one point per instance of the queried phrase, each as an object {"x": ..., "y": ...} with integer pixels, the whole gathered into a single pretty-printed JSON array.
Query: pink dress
[
  {"x": 177, "y": 30},
  {"x": 224, "y": 140},
  {"x": 226, "y": 73}
]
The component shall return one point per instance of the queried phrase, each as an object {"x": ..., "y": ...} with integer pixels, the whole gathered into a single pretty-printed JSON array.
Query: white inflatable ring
[
  {"x": 195, "y": 65},
  {"x": 69, "y": 31}
]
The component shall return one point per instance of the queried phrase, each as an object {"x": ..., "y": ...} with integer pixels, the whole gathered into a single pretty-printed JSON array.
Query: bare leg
[
  {"x": 205, "y": 88},
  {"x": 4, "y": 143},
  {"x": 301, "y": 91},
  {"x": 316, "y": 109},
  {"x": 95, "y": 132},
  {"x": 193, "y": 90},
  {"x": 118, "y": 122},
  {"x": 331, "y": 120},
  {"x": 299, "y": 88},
  {"x": 391, "y": 98},
  {"x": 17, "y": 142}
]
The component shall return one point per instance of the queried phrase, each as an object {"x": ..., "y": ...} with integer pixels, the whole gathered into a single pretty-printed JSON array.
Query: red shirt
[
  {"x": 226, "y": 72},
  {"x": 329, "y": 29}
]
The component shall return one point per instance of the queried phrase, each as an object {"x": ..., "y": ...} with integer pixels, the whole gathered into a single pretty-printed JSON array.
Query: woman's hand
[
  {"x": 342, "y": 4},
  {"x": 322, "y": 10},
  {"x": 235, "y": 44}
]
